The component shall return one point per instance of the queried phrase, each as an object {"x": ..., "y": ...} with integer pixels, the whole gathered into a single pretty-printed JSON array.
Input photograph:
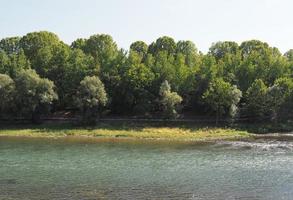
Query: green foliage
[
  {"x": 220, "y": 49},
  {"x": 67, "y": 77},
  {"x": 256, "y": 106},
  {"x": 17, "y": 62},
  {"x": 139, "y": 47},
  {"x": 33, "y": 94},
  {"x": 103, "y": 49},
  {"x": 4, "y": 60},
  {"x": 169, "y": 100},
  {"x": 10, "y": 45},
  {"x": 222, "y": 98},
  {"x": 190, "y": 53},
  {"x": 78, "y": 44},
  {"x": 90, "y": 96},
  {"x": 7, "y": 91},
  {"x": 164, "y": 43},
  {"x": 138, "y": 79},
  {"x": 132, "y": 79},
  {"x": 284, "y": 98}
]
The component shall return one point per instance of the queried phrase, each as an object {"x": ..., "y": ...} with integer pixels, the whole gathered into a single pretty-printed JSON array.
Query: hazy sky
[{"x": 202, "y": 21}]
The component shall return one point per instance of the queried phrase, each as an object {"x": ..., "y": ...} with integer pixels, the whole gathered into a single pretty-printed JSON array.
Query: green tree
[
  {"x": 164, "y": 43},
  {"x": 79, "y": 44},
  {"x": 137, "y": 79},
  {"x": 45, "y": 51},
  {"x": 139, "y": 47},
  {"x": 103, "y": 49},
  {"x": 33, "y": 94},
  {"x": 90, "y": 96},
  {"x": 10, "y": 45},
  {"x": 289, "y": 55},
  {"x": 169, "y": 100},
  {"x": 283, "y": 103},
  {"x": 190, "y": 52},
  {"x": 220, "y": 49},
  {"x": 259, "y": 61},
  {"x": 228, "y": 57},
  {"x": 222, "y": 98},
  {"x": 256, "y": 104},
  {"x": 17, "y": 62},
  {"x": 7, "y": 90},
  {"x": 4, "y": 61}
]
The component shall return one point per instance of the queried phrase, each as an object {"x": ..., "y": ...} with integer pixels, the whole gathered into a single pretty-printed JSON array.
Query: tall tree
[
  {"x": 169, "y": 100},
  {"x": 256, "y": 107},
  {"x": 103, "y": 49},
  {"x": 190, "y": 52},
  {"x": 90, "y": 96},
  {"x": 220, "y": 49},
  {"x": 138, "y": 79},
  {"x": 164, "y": 43},
  {"x": 222, "y": 98},
  {"x": 41, "y": 48},
  {"x": 7, "y": 91},
  {"x": 33, "y": 94},
  {"x": 10, "y": 45},
  {"x": 139, "y": 47}
]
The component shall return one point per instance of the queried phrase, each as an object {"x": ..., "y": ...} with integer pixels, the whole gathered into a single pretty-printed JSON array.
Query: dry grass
[{"x": 128, "y": 131}]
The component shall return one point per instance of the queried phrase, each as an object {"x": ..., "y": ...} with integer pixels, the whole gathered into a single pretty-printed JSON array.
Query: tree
[
  {"x": 7, "y": 90},
  {"x": 169, "y": 100},
  {"x": 259, "y": 61},
  {"x": 10, "y": 45},
  {"x": 274, "y": 99},
  {"x": 67, "y": 77},
  {"x": 45, "y": 51},
  {"x": 17, "y": 62},
  {"x": 139, "y": 47},
  {"x": 164, "y": 69},
  {"x": 137, "y": 79},
  {"x": 222, "y": 98},
  {"x": 283, "y": 103},
  {"x": 78, "y": 44},
  {"x": 103, "y": 49},
  {"x": 190, "y": 52},
  {"x": 220, "y": 49},
  {"x": 132, "y": 79},
  {"x": 164, "y": 43},
  {"x": 4, "y": 61},
  {"x": 33, "y": 94},
  {"x": 256, "y": 107},
  {"x": 90, "y": 96}
]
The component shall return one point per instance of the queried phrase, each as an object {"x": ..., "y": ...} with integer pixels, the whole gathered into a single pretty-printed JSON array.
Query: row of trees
[{"x": 251, "y": 80}]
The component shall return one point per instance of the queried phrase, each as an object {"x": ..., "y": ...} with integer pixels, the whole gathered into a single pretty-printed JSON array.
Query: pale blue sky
[{"x": 202, "y": 21}]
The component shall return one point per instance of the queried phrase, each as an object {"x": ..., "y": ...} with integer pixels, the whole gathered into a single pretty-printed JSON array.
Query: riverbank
[{"x": 128, "y": 130}]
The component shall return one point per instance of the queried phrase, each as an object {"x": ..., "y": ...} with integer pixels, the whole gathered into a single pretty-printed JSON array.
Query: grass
[{"x": 129, "y": 130}]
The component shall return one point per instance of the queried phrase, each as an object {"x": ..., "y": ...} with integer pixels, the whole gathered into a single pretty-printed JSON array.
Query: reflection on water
[{"x": 130, "y": 169}]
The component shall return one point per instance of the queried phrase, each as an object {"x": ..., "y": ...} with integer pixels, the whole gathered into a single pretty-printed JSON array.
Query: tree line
[{"x": 40, "y": 74}]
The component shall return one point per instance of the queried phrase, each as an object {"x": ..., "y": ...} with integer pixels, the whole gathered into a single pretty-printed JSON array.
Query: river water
[{"x": 46, "y": 169}]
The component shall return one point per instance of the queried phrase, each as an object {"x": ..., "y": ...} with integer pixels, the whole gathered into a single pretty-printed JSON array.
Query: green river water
[{"x": 72, "y": 168}]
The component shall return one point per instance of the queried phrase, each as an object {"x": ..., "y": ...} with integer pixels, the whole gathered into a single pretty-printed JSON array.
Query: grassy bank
[{"x": 126, "y": 130}]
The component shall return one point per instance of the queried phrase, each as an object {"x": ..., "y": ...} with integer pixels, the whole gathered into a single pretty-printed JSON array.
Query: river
[{"x": 76, "y": 168}]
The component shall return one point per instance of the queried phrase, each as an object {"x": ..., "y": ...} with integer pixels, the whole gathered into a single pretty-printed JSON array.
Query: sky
[{"x": 201, "y": 21}]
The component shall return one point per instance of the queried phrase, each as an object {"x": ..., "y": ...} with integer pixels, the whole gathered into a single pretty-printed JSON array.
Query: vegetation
[
  {"x": 128, "y": 130},
  {"x": 252, "y": 81},
  {"x": 169, "y": 100},
  {"x": 222, "y": 97},
  {"x": 33, "y": 93},
  {"x": 91, "y": 94}
]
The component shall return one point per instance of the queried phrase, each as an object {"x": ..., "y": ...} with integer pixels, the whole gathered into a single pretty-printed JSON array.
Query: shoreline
[
  {"x": 168, "y": 132},
  {"x": 127, "y": 131}
]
